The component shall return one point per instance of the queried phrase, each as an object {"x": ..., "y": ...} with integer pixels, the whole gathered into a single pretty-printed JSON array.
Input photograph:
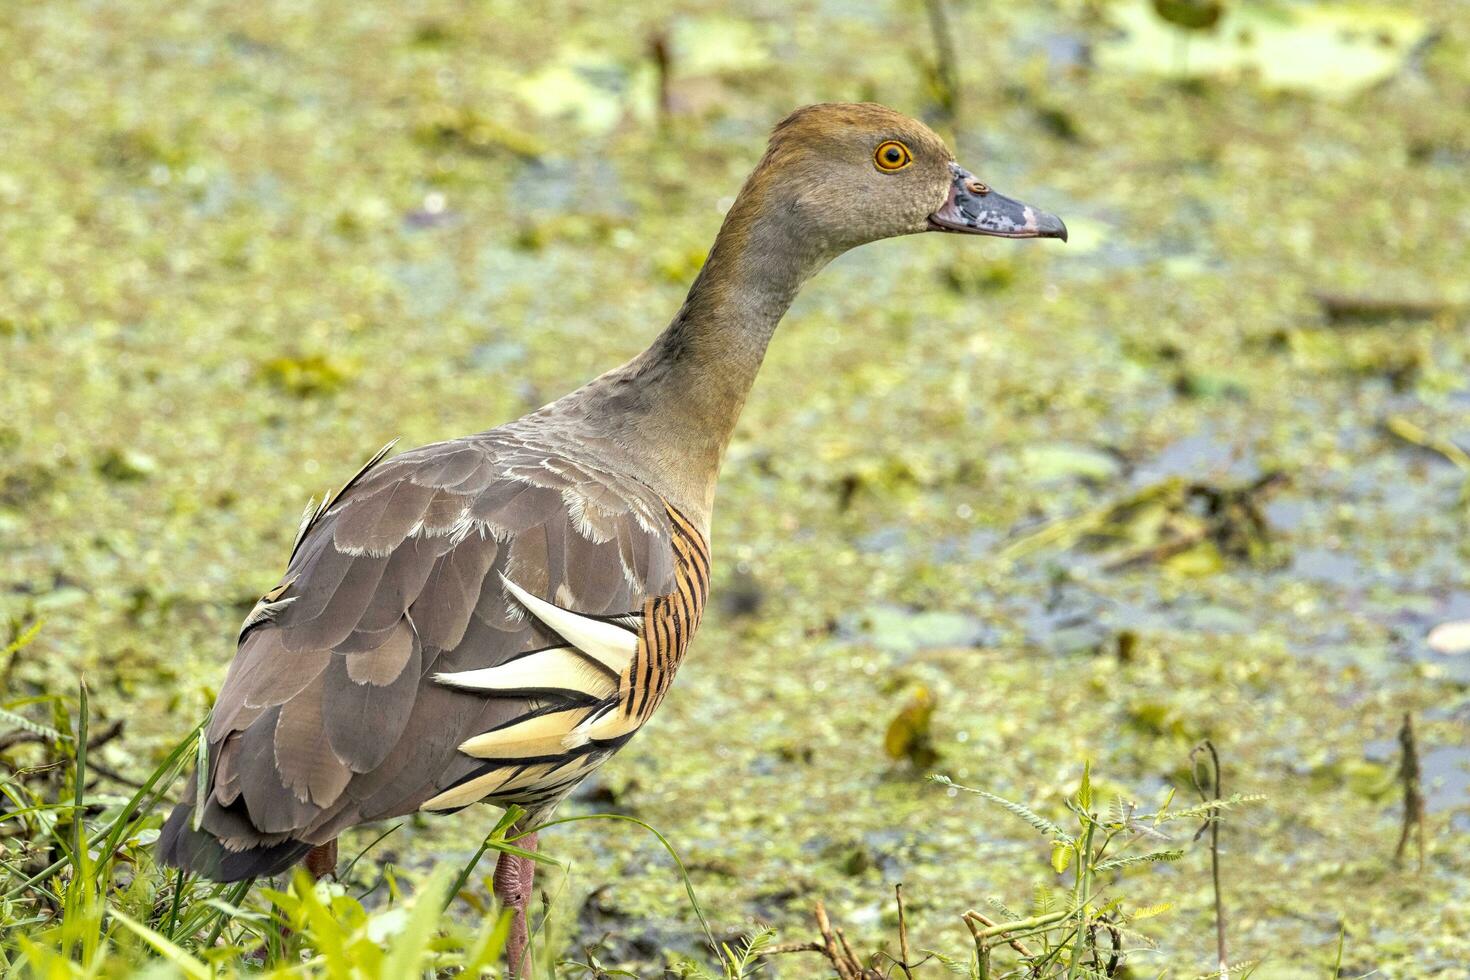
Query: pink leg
[
  {"x": 321, "y": 860},
  {"x": 513, "y": 879}
]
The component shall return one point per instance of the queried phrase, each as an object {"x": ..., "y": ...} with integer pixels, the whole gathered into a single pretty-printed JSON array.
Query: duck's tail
[{"x": 199, "y": 851}]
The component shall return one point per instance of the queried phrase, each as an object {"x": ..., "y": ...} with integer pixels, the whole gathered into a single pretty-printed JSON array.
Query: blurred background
[{"x": 995, "y": 508}]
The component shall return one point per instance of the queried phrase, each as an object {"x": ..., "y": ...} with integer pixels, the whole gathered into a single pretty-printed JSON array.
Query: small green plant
[
  {"x": 1083, "y": 932},
  {"x": 81, "y": 895}
]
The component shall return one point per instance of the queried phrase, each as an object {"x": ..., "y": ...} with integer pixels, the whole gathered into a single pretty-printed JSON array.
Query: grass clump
[{"x": 81, "y": 894}]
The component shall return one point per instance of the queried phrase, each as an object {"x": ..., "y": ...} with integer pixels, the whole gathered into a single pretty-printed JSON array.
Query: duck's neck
[{"x": 675, "y": 405}]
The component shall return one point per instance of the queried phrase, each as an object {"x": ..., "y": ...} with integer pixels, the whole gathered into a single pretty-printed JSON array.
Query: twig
[
  {"x": 794, "y": 948},
  {"x": 982, "y": 949},
  {"x": 20, "y": 737},
  {"x": 1174, "y": 545},
  {"x": 1021, "y": 925},
  {"x": 1115, "y": 954},
  {"x": 1212, "y": 823},
  {"x": 903, "y": 934},
  {"x": 972, "y": 916},
  {"x": 107, "y": 734},
  {"x": 824, "y": 926},
  {"x": 1416, "y": 435},
  {"x": 663, "y": 60},
  {"x": 1346, "y": 307},
  {"x": 1410, "y": 776},
  {"x": 112, "y": 774},
  {"x": 844, "y": 961},
  {"x": 946, "y": 74}
]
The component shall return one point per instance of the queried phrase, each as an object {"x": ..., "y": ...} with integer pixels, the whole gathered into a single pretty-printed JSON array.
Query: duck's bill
[{"x": 972, "y": 208}]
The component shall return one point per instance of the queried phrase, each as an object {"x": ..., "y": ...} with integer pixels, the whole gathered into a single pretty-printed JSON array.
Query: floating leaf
[
  {"x": 1196, "y": 562},
  {"x": 909, "y": 735},
  {"x": 716, "y": 44},
  {"x": 979, "y": 277},
  {"x": 125, "y": 465},
  {"x": 1192, "y": 15},
  {"x": 306, "y": 376},
  {"x": 466, "y": 129},
  {"x": 681, "y": 267},
  {"x": 1050, "y": 462},
  {"x": 593, "y": 91},
  {"x": 901, "y": 630},
  {"x": 1332, "y": 51}
]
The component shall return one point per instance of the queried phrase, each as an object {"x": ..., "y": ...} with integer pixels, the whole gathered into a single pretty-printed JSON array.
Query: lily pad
[
  {"x": 901, "y": 630},
  {"x": 592, "y": 90},
  {"x": 909, "y": 734},
  {"x": 1328, "y": 49},
  {"x": 125, "y": 465},
  {"x": 1049, "y": 462},
  {"x": 717, "y": 44}
]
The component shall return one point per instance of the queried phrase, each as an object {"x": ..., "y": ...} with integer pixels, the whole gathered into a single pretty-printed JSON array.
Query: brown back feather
[{"x": 329, "y": 715}]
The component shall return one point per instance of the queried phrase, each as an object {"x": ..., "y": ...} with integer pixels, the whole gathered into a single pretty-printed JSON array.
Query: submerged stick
[
  {"x": 1410, "y": 776},
  {"x": 1349, "y": 307},
  {"x": 946, "y": 70}
]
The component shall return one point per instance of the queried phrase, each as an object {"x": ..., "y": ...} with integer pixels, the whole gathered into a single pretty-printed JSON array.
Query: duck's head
[{"x": 855, "y": 173}]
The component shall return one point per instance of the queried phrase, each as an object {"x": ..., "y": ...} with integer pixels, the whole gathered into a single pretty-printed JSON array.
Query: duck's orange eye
[{"x": 892, "y": 155}]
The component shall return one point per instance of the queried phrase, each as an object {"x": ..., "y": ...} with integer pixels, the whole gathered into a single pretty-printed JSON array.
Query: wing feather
[
  {"x": 452, "y": 590},
  {"x": 331, "y": 715},
  {"x": 378, "y": 523},
  {"x": 261, "y": 680},
  {"x": 364, "y": 719}
]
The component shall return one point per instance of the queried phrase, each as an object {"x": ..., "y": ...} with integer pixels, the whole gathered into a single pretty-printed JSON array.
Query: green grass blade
[
  {"x": 173, "y": 909},
  {"x": 683, "y": 872},
  {"x": 201, "y": 778},
  {"x": 496, "y": 836},
  {"x": 78, "y": 825},
  {"x": 407, "y": 953},
  {"x": 113, "y": 832},
  {"x": 347, "y": 871},
  {"x": 191, "y": 966}
]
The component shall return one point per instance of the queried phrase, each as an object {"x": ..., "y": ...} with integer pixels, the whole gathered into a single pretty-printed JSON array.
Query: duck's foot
[{"x": 514, "y": 876}]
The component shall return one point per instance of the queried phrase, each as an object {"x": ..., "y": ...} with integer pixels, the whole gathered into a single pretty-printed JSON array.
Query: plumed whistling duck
[{"x": 488, "y": 619}]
